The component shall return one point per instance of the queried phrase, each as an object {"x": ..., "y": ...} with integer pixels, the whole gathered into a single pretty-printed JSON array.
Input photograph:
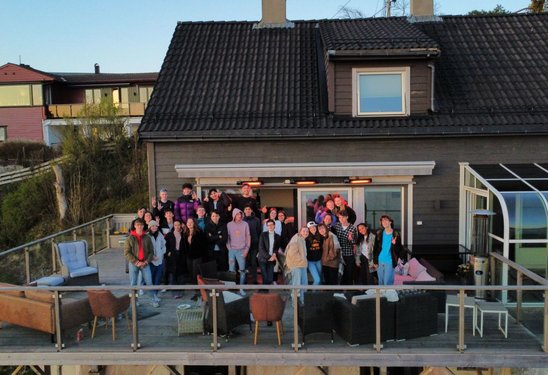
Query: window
[
  {"x": 381, "y": 200},
  {"x": 381, "y": 91},
  {"x": 144, "y": 93},
  {"x": 20, "y": 95},
  {"x": 3, "y": 133}
]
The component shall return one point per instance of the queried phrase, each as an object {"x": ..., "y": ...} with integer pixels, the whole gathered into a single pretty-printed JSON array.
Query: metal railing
[{"x": 96, "y": 232}]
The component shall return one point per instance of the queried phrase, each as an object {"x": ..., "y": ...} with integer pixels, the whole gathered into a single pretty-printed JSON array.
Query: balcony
[
  {"x": 72, "y": 110},
  {"x": 153, "y": 337}
]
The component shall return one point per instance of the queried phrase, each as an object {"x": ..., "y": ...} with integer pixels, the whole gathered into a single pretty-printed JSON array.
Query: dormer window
[{"x": 380, "y": 91}]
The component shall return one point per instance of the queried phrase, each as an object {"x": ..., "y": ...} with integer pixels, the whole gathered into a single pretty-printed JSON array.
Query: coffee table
[{"x": 492, "y": 308}]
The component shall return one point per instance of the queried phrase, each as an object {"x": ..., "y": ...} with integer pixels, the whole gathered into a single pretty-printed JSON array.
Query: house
[
  {"x": 33, "y": 103},
  {"x": 380, "y": 110}
]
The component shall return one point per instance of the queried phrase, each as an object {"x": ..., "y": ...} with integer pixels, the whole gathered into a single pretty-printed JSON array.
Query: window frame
[
  {"x": 405, "y": 73},
  {"x": 5, "y": 130}
]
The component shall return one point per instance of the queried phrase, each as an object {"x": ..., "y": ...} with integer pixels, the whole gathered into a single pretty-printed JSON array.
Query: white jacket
[{"x": 159, "y": 248}]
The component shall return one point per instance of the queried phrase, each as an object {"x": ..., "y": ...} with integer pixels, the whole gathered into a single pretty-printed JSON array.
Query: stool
[
  {"x": 492, "y": 308},
  {"x": 53, "y": 280},
  {"x": 469, "y": 303}
]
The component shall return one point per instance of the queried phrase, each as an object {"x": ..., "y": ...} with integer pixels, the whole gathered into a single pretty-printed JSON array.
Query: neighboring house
[
  {"x": 34, "y": 103},
  {"x": 395, "y": 103}
]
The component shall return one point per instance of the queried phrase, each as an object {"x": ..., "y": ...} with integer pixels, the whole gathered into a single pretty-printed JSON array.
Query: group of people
[{"x": 166, "y": 244}]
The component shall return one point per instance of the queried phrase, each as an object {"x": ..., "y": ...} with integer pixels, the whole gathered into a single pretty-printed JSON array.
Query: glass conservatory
[{"x": 518, "y": 195}]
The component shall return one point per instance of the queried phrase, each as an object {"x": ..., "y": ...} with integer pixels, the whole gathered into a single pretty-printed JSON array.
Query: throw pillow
[
  {"x": 415, "y": 268},
  {"x": 362, "y": 297},
  {"x": 425, "y": 276},
  {"x": 230, "y": 296},
  {"x": 40, "y": 295},
  {"x": 339, "y": 295},
  {"x": 15, "y": 293}
]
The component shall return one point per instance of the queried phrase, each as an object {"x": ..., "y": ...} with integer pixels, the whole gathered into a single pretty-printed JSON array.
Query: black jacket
[
  {"x": 264, "y": 246},
  {"x": 255, "y": 229},
  {"x": 216, "y": 235},
  {"x": 396, "y": 250},
  {"x": 222, "y": 207}
]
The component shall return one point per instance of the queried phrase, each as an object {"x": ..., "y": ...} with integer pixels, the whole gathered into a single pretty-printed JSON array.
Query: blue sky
[{"x": 133, "y": 35}]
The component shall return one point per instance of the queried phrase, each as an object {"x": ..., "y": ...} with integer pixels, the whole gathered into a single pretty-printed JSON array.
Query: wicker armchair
[
  {"x": 416, "y": 315},
  {"x": 105, "y": 305},
  {"x": 76, "y": 267},
  {"x": 316, "y": 314},
  {"x": 229, "y": 314}
]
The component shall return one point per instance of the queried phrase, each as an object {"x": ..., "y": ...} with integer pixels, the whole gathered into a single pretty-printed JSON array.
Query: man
[
  {"x": 239, "y": 241},
  {"x": 347, "y": 235},
  {"x": 201, "y": 219},
  {"x": 159, "y": 207},
  {"x": 255, "y": 230},
  {"x": 247, "y": 199},
  {"x": 139, "y": 252},
  {"x": 269, "y": 245},
  {"x": 186, "y": 204},
  {"x": 168, "y": 223},
  {"x": 217, "y": 236},
  {"x": 341, "y": 205},
  {"x": 219, "y": 202}
]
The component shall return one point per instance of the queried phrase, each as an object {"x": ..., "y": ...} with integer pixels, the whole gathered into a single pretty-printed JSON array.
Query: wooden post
[
  {"x": 296, "y": 343},
  {"x": 107, "y": 225},
  {"x": 53, "y": 257},
  {"x": 27, "y": 265},
  {"x": 57, "y": 309},
  {"x": 519, "y": 296},
  {"x": 378, "y": 345},
  {"x": 492, "y": 269},
  {"x": 215, "y": 342},
  {"x": 134, "y": 328},
  {"x": 461, "y": 347},
  {"x": 74, "y": 237},
  {"x": 93, "y": 239},
  {"x": 545, "y": 347}
]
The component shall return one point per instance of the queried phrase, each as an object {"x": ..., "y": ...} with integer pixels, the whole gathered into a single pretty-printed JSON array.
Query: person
[
  {"x": 342, "y": 205},
  {"x": 273, "y": 215},
  {"x": 364, "y": 255},
  {"x": 217, "y": 236},
  {"x": 387, "y": 249},
  {"x": 220, "y": 202},
  {"x": 254, "y": 231},
  {"x": 196, "y": 248},
  {"x": 140, "y": 215},
  {"x": 327, "y": 211},
  {"x": 269, "y": 245},
  {"x": 328, "y": 222},
  {"x": 314, "y": 253},
  {"x": 157, "y": 262},
  {"x": 186, "y": 204},
  {"x": 239, "y": 241},
  {"x": 201, "y": 219},
  {"x": 175, "y": 262},
  {"x": 295, "y": 260},
  {"x": 246, "y": 198},
  {"x": 160, "y": 206},
  {"x": 288, "y": 230},
  {"x": 347, "y": 235},
  {"x": 168, "y": 222},
  {"x": 331, "y": 254},
  {"x": 139, "y": 251},
  {"x": 148, "y": 218}
]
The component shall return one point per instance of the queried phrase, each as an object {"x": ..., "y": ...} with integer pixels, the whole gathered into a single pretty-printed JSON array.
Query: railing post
[
  {"x": 461, "y": 347},
  {"x": 27, "y": 265},
  {"x": 215, "y": 344},
  {"x": 296, "y": 344},
  {"x": 492, "y": 269},
  {"x": 134, "y": 328},
  {"x": 57, "y": 309},
  {"x": 53, "y": 257},
  {"x": 519, "y": 296},
  {"x": 378, "y": 345},
  {"x": 74, "y": 238},
  {"x": 93, "y": 239},
  {"x": 107, "y": 225},
  {"x": 545, "y": 347}
]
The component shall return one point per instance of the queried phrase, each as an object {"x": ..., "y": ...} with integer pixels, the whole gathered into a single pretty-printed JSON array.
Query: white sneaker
[
  {"x": 242, "y": 292},
  {"x": 141, "y": 292},
  {"x": 163, "y": 290}
]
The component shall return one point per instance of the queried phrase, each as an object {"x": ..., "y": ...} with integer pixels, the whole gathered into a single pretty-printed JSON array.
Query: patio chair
[
  {"x": 232, "y": 311},
  {"x": 76, "y": 267},
  {"x": 209, "y": 270},
  {"x": 267, "y": 307},
  {"x": 316, "y": 314},
  {"x": 105, "y": 305}
]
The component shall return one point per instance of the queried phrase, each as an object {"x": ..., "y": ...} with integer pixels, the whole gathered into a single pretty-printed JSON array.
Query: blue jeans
[
  {"x": 385, "y": 273},
  {"x": 157, "y": 274},
  {"x": 134, "y": 271},
  {"x": 299, "y": 277},
  {"x": 267, "y": 269},
  {"x": 237, "y": 256},
  {"x": 315, "y": 269}
]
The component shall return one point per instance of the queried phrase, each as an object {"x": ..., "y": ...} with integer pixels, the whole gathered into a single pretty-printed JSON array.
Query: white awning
[{"x": 339, "y": 169}]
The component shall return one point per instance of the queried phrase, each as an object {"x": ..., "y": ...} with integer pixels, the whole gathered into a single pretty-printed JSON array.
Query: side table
[
  {"x": 492, "y": 308},
  {"x": 452, "y": 300}
]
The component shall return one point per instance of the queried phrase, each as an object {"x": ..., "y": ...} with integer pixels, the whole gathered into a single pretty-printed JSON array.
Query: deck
[{"x": 159, "y": 342}]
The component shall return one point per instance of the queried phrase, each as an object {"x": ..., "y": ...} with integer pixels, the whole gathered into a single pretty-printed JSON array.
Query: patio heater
[{"x": 480, "y": 249}]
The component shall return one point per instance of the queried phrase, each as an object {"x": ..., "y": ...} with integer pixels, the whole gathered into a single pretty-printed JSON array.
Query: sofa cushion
[
  {"x": 230, "y": 296},
  {"x": 73, "y": 255},
  {"x": 362, "y": 297},
  {"x": 39, "y": 295},
  {"x": 84, "y": 271},
  {"x": 400, "y": 279},
  {"x": 425, "y": 276},
  {"x": 415, "y": 268},
  {"x": 402, "y": 269},
  {"x": 15, "y": 293}
]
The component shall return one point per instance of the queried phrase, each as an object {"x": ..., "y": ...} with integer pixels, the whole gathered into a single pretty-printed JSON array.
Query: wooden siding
[
  {"x": 420, "y": 82},
  {"x": 11, "y": 73},
  {"x": 23, "y": 122},
  {"x": 440, "y": 225}
]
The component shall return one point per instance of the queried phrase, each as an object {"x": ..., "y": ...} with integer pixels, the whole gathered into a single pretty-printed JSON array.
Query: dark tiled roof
[
  {"x": 373, "y": 33},
  {"x": 227, "y": 80},
  {"x": 104, "y": 78}
]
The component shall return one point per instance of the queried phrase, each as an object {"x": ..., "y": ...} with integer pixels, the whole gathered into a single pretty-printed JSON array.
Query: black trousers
[{"x": 348, "y": 274}]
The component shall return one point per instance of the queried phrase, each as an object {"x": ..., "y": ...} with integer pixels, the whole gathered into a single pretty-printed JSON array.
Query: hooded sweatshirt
[
  {"x": 295, "y": 253},
  {"x": 239, "y": 237}
]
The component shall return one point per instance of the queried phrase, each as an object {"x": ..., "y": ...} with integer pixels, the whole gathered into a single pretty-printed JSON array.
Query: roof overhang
[
  {"x": 339, "y": 169},
  {"x": 383, "y": 53}
]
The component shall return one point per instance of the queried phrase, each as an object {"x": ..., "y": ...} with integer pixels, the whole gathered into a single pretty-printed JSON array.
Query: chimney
[
  {"x": 97, "y": 68},
  {"x": 422, "y": 8},
  {"x": 273, "y": 15}
]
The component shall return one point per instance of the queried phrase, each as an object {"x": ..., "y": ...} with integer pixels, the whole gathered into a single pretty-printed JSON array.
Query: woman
[
  {"x": 273, "y": 215},
  {"x": 314, "y": 253},
  {"x": 330, "y": 255},
  {"x": 157, "y": 263},
  {"x": 288, "y": 230},
  {"x": 196, "y": 246},
  {"x": 327, "y": 211},
  {"x": 295, "y": 260},
  {"x": 174, "y": 256},
  {"x": 148, "y": 218},
  {"x": 386, "y": 251},
  {"x": 364, "y": 255}
]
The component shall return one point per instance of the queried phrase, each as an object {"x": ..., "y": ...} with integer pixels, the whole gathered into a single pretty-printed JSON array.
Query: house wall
[
  {"x": 436, "y": 197},
  {"x": 420, "y": 82},
  {"x": 23, "y": 122}
]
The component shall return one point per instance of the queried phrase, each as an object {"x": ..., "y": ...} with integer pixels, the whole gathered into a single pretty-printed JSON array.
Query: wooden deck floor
[{"x": 161, "y": 344}]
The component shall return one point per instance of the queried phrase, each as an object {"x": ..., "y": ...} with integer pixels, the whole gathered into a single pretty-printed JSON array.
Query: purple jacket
[{"x": 185, "y": 207}]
